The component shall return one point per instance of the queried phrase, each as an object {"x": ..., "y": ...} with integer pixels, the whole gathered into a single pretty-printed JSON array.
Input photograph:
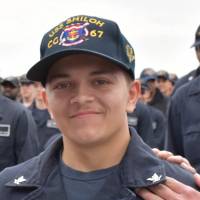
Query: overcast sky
[{"x": 160, "y": 31}]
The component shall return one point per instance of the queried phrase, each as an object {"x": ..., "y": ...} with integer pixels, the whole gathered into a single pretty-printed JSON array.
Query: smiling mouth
[{"x": 84, "y": 114}]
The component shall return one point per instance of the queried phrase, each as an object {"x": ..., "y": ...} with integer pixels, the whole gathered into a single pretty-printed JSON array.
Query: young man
[
  {"x": 10, "y": 88},
  {"x": 151, "y": 93},
  {"x": 27, "y": 91},
  {"x": 196, "y": 72},
  {"x": 86, "y": 67}
]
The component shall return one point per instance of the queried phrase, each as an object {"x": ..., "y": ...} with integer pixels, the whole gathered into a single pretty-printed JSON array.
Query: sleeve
[
  {"x": 160, "y": 128},
  {"x": 173, "y": 139},
  {"x": 26, "y": 137},
  {"x": 144, "y": 127}
]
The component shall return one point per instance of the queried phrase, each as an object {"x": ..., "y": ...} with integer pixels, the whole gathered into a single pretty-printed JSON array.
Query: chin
[{"x": 86, "y": 137}]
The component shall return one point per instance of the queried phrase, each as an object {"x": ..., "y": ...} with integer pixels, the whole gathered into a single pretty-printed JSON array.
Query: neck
[
  {"x": 27, "y": 101},
  {"x": 98, "y": 156},
  {"x": 40, "y": 104}
]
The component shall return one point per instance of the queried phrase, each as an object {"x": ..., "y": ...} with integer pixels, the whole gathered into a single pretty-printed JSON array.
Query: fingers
[
  {"x": 178, "y": 159},
  {"x": 164, "y": 154},
  {"x": 186, "y": 192},
  {"x": 156, "y": 151},
  {"x": 166, "y": 192},
  {"x": 183, "y": 162},
  {"x": 188, "y": 167},
  {"x": 175, "y": 185},
  {"x": 147, "y": 194},
  {"x": 197, "y": 179},
  {"x": 171, "y": 189}
]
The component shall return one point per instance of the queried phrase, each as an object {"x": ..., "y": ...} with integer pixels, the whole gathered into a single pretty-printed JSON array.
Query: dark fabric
[
  {"x": 41, "y": 178},
  {"x": 150, "y": 123},
  {"x": 185, "y": 79},
  {"x": 160, "y": 102},
  {"x": 141, "y": 120},
  {"x": 183, "y": 136},
  {"x": 159, "y": 124},
  {"x": 88, "y": 184},
  {"x": 18, "y": 133},
  {"x": 46, "y": 127}
]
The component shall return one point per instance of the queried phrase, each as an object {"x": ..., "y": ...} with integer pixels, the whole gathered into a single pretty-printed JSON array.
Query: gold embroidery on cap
[
  {"x": 130, "y": 53},
  {"x": 90, "y": 20}
]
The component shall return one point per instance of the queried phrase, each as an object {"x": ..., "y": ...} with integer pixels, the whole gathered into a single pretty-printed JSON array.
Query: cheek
[
  {"x": 117, "y": 100},
  {"x": 54, "y": 103}
]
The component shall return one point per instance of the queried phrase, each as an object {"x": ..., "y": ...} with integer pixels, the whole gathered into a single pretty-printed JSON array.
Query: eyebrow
[
  {"x": 57, "y": 76},
  {"x": 93, "y": 73},
  {"x": 103, "y": 71}
]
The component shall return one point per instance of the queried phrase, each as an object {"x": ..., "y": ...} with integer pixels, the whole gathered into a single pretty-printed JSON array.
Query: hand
[
  {"x": 183, "y": 162},
  {"x": 171, "y": 189}
]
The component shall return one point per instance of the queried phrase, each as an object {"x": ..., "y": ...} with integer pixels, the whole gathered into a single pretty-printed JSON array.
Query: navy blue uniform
[
  {"x": 184, "y": 123},
  {"x": 39, "y": 178},
  {"x": 160, "y": 101},
  {"x": 18, "y": 137},
  {"x": 188, "y": 77},
  {"x": 141, "y": 120},
  {"x": 46, "y": 127},
  {"x": 150, "y": 123},
  {"x": 159, "y": 124}
]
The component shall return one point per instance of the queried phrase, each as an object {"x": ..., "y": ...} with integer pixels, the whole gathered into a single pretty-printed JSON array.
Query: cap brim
[
  {"x": 196, "y": 44},
  {"x": 8, "y": 82},
  {"x": 162, "y": 77},
  {"x": 40, "y": 70},
  {"x": 148, "y": 78}
]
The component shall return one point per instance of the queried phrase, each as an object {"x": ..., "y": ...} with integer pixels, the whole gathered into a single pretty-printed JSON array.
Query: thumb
[{"x": 197, "y": 179}]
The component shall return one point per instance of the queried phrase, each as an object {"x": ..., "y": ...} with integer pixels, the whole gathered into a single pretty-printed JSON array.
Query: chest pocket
[
  {"x": 191, "y": 143},
  {"x": 5, "y": 139},
  {"x": 132, "y": 121},
  {"x": 4, "y": 130}
]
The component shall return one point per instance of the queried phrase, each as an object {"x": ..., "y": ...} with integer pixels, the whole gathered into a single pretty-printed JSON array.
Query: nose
[{"x": 83, "y": 95}]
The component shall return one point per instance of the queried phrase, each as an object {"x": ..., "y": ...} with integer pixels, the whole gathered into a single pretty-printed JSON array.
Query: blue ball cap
[{"x": 83, "y": 34}]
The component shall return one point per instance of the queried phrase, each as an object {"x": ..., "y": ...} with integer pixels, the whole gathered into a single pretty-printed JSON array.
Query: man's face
[
  {"x": 162, "y": 84},
  {"x": 10, "y": 91},
  {"x": 27, "y": 90},
  {"x": 146, "y": 95},
  {"x": 89, "y": 98}
]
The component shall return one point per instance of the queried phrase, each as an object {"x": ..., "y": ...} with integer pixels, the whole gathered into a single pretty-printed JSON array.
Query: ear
[
  {"x": 134, "y": 93},
  {"x": 45, "y": 99}
]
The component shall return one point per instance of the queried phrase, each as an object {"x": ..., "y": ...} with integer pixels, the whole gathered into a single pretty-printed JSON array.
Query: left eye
[
  {"x": 63, "y": 85},
  {"x": 101, "y": 82}
]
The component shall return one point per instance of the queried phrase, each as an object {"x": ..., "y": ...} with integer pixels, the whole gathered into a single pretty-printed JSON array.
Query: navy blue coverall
[
  {"x": 39, "y": 178},
  {"x": 18, "y": 133},
  {"x": 183, "y": 136}
]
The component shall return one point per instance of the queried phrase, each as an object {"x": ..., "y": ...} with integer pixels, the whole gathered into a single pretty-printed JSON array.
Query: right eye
[{"x": 63, "y": 85}]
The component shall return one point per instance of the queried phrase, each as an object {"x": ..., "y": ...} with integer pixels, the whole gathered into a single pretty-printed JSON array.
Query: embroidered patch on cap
[
  {"x": 5, "y": 130},
  {"x": 74, "y": 34},
  {"x": 130, "y": 53}
]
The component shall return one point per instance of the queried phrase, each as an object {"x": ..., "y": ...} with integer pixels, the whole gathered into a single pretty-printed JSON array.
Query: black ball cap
[
  {"x": 12, "y": 80},
  {"x": 83, "y": 34}
]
